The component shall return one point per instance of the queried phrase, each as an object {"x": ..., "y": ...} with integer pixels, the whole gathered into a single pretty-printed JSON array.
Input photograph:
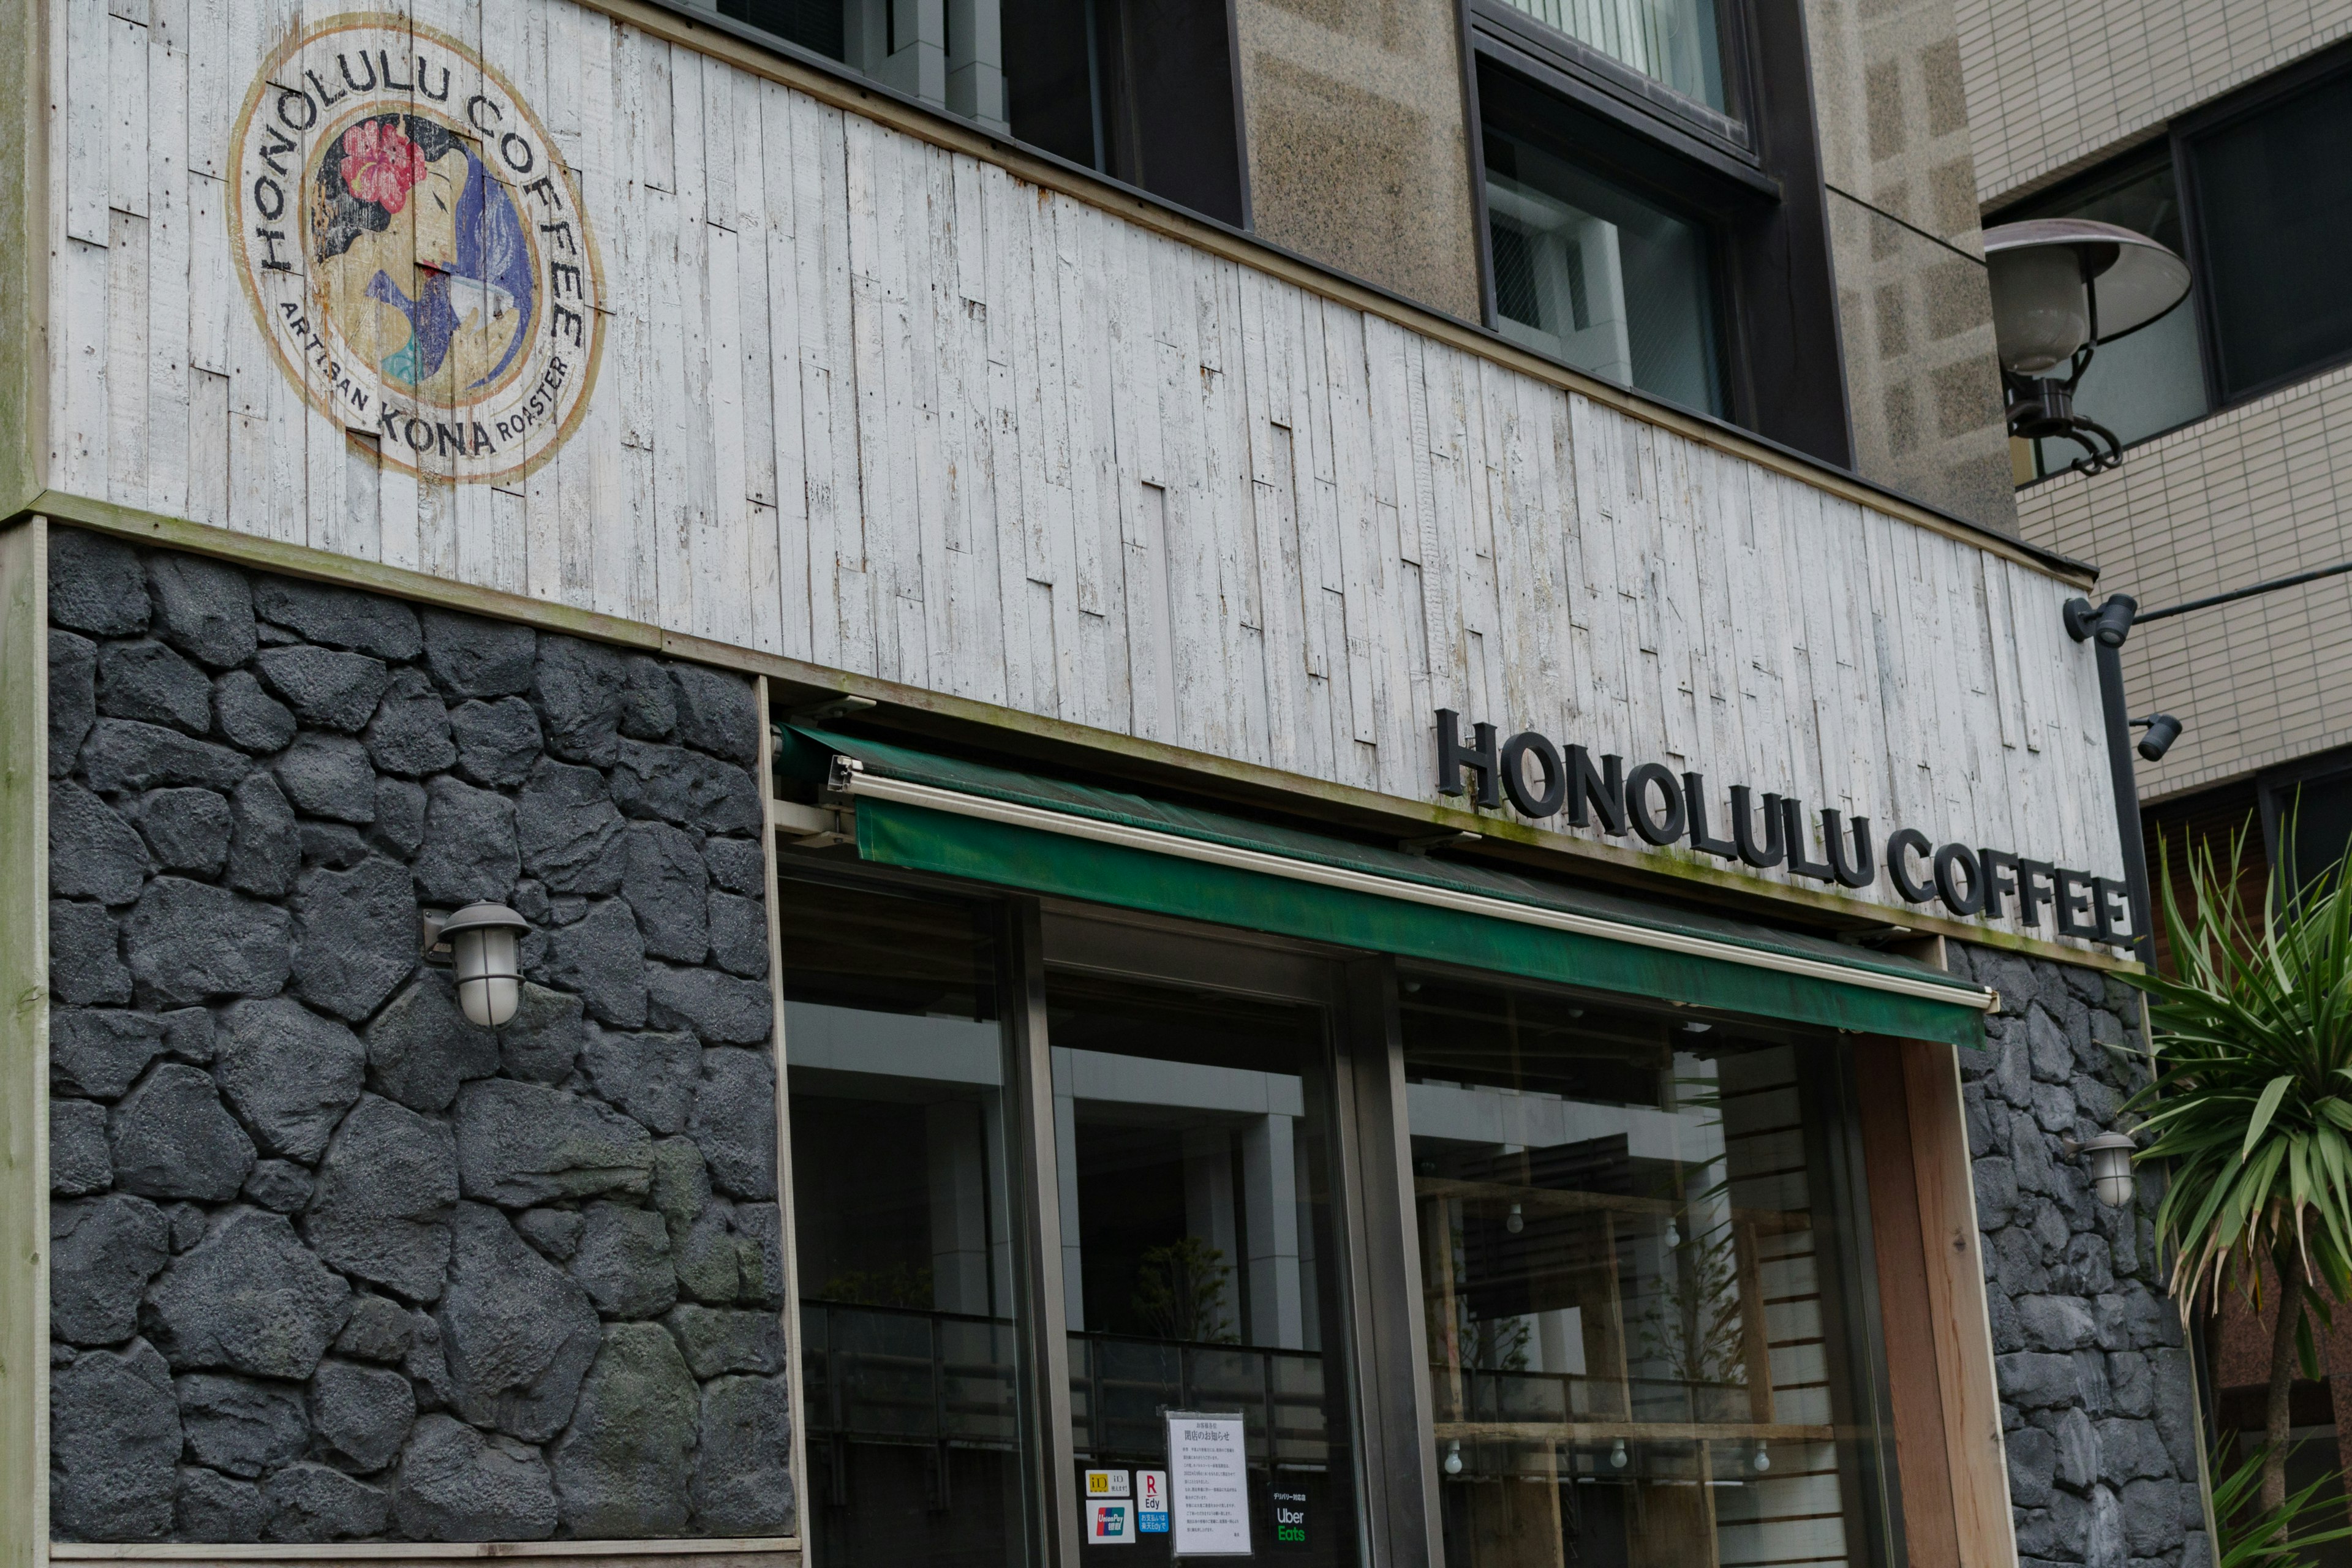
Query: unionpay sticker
[{"x": 1110, "y": 1524}]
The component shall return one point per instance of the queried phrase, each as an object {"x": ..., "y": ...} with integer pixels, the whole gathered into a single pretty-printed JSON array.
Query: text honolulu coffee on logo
[{"x": 415, "y": 249}]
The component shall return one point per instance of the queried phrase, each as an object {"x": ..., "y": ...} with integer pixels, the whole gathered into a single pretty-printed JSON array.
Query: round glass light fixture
[
  {"x": 2110, "y": 1159},
  {"x": 1453, "y": 1458},
  {"x": 2061, "y": 287},
  {"x": 485, "y": 944}
]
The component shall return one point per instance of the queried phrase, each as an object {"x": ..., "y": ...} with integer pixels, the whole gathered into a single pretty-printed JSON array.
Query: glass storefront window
[
  {"x": 1199, "y": 1265},
  {"x": 1591, "y": 274},
  {"x": 1671, "y": 41},
  {"x": 895, "y": 1067},
  {"x": 1632, "y": 1268}
]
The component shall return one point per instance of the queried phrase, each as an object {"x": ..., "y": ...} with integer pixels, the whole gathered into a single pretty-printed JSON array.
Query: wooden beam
[
  {"x": 25, "y": 242},
  {"x": 1058, "y": 743},
  {"x": 23, "y": 1046}
]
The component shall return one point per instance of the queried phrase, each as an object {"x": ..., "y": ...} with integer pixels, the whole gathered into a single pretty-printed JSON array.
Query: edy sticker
[{"x": 415, "y": 249}]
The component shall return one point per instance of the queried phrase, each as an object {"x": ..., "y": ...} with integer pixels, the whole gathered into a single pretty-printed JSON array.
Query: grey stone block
[
  {"x": 100, "y": 1053},
  {"x": 743, "y": 1465},
  {"x": 147, "y": 681},
  {"x": 1996, "y": 1187},
  {"x": 622, "y": 1467},
  {"x": 2075, "y": 1458},
  {"x": 668, "y": 887},
  {"x": 410, "y": 732},
  {"x": 363, "y": 1413},
  {"x": 357, "y": 935},
  {"x": 541, "y": 1043},
  {"x": 648, "y": 699},
  {"x": 249, "y": 718},
  {"x": 2037, "y": 1379},
  {"x": 736, "y": 864},
  {"x": 2131, "y": 1449},
  {"x": 399, "y": 827},
  {"x": 554, "y": 1232},
  {"x": 94, "y": 853},
  {"x": 328, "y": 776},
  {"x": 521, "y": 1143},
  {"x": 469, "y": 845},
  {"x": 202, "y": 607},
  {"x": 332, "y": 689},
  {"x": 2151, "y": 1517},
  {"x": 739, "y": 935},
  {"x": 720, "y": 1340},
  {"x": 128, "y": 755},
  {"x": 568, "y": 829},
  {"x": 601, "y": 959},
  {"x": 421, "y": 1046},
  {"x": 517, "y": 1333},
  {"x": 681, "y": 1185},
  {"x": 427, "y": 1365},
  {"x": 241, "y": 1426},
  {"x": 73, "y": 697},
  {"x": 171, "y": 1138},
  {"x": 497, "y": 742},
  {"x": 78, "y": 1162},
  {"x": 2131, "y": 1387},
  {"x": 708, "y": 1259},
  {"x": 455, "y": 1484},
  {"x": 723, "y": 1009},
  {"x": 114, "y": 1445},
  {"x": 96, "y": 584},
  {"x": 310, "y": 1502},
  {"x": 2056, "y": 1322},
  {"x": 289, "y": 1073},
  {"x": 760, "y": 1253},
  {"x": 623, "y": 1262},
  {"x": 377, "y": 1331},
  {"x": 653, "y": 1076},
  {"x": 670, "y": 784},
  {"x": 281, "y": 1187},
  {"x": 717, "y": 713},
  {"x": 213, "y": 1506},
  {"x": 385, "y": 1189},
  {"x": 2033, "y": 1467},
  {"x": 340, "y": 617},
  {"x": 250, "y": 1297},
  {"x": 265, "y": 848},
  {"x": 190, "y": 942},
  {"x": 734, "y": 1123},
  {"x": 185, "y": 829},
  {"x": 474, "y": 658},
  {"x": 577, "y": 688},
  {"x": 85, "y": 956},
  {"x": 189, "y": 1226},
  {"x": 337, "y": 846},
  {"x": 102, "y": 1253}
]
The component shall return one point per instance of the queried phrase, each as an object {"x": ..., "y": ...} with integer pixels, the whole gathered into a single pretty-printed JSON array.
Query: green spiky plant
[
  {"x": 2271, "y": 1537},
  {"x": 2251, "y": 1103}
]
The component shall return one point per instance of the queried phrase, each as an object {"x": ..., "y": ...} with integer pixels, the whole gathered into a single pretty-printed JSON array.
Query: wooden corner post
[{"x": 23, "y": 1046}]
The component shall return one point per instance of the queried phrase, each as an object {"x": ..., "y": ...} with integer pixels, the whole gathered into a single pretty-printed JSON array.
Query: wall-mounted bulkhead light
[
  {"x": 2061, "y": 287},
  {"x": 483, "y": 944}
]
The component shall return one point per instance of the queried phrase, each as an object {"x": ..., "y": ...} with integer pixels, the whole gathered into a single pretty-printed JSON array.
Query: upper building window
[
  {"x": 1592, "y": 274},
  {"x": 2255, "y": 194},
  {"x": 1671, "y": 41}
]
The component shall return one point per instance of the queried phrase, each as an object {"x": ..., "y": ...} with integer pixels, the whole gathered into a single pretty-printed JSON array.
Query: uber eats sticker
[
  {"x": 1290, "y": 1512},
  {"x": 415, "y": 248}
]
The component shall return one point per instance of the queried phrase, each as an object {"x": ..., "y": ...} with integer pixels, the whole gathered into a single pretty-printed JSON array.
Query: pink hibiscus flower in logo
[{"x": 380, "y": 164}]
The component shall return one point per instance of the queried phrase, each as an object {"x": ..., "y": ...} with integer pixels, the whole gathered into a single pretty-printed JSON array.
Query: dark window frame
[{"x": 1752, "y": 181}]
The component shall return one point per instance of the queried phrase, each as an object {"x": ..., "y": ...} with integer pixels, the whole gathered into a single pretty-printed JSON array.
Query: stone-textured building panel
[{"x": 330, "y": 1263}]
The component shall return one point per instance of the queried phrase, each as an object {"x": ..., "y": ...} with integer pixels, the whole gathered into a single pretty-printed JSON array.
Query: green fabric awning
[{"x": 1046, "y": 836}]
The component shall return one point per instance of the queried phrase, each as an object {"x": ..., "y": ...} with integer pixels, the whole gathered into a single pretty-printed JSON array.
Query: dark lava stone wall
[
  {"x": 2098, "y": 1393},
  {"x": 328, "y": 1262}
]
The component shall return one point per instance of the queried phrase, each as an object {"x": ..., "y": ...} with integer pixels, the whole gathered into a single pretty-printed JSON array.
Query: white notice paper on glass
[{"x": 1208, "y": 1482}]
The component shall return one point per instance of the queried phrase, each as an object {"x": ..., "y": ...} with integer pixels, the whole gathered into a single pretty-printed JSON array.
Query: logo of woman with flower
[{"x": 416, "y": 251}]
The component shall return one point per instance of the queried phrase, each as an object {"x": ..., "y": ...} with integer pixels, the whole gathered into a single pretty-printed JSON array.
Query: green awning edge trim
[{"x": 925, "y": 813}]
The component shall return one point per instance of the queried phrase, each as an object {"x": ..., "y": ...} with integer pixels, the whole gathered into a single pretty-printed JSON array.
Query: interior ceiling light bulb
[
  {"x": 485, "y": 944},
  {"x": 2061, "y": 287},
  {"x": 1763, "y": 1459},
  {"x": 1617, "y": 1455},
  {"x": 1453, "y": 1458},
  {"x": 1516, "y": 1221}
]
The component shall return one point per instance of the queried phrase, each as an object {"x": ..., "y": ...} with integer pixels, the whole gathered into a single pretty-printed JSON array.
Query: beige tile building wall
[
  {"x": 2259, "y": 491},
  {"x": 1913, "y": 308},
  {"x": 2055, "y": 87}
]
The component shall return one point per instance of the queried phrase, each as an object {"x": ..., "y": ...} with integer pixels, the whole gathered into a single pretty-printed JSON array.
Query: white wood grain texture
[
  {"x": 169, "y": 294},
  {"x": 787, "y": 463},
  {"x": 126, "y": 356}
]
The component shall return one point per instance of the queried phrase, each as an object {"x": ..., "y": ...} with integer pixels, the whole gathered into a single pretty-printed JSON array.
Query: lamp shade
[
  {"x": 2053, "y": 279},
  {"x": 485, "y": 951},
  {"x": 2109, "y": 1155}
]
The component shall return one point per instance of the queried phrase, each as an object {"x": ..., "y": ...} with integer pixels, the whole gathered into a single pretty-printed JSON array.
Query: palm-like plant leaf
[{"x": 2253, "y": 1066}]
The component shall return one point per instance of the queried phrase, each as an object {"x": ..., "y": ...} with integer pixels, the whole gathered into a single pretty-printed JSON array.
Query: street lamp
[{"x": 2061, "y": 287}]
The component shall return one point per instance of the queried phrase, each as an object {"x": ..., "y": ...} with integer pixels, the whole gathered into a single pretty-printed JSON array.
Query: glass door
[{"x": 1194, "y": 1110}]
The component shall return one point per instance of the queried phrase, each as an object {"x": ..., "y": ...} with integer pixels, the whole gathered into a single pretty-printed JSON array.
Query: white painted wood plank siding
[{"x": 871, "y": 403}]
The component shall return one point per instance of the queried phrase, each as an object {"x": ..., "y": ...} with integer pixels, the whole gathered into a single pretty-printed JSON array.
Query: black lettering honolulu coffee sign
[{"x": 1663, "y": 808}]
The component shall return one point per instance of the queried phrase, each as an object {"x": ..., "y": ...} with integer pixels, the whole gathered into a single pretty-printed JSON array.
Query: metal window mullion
[{"x": 1046, "y": 1360}]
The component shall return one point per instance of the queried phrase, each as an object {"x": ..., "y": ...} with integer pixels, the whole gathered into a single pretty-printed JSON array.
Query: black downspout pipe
[{"x": 2083, "y": 625}]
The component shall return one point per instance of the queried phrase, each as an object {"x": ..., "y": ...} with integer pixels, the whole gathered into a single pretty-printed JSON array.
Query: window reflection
[
  {"x": 1632, "y": 1289},
  {"x": 1591, "y": 275}
]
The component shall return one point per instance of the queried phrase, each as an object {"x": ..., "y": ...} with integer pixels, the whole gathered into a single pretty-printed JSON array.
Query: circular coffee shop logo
[{"x": 415, "y": 249}]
